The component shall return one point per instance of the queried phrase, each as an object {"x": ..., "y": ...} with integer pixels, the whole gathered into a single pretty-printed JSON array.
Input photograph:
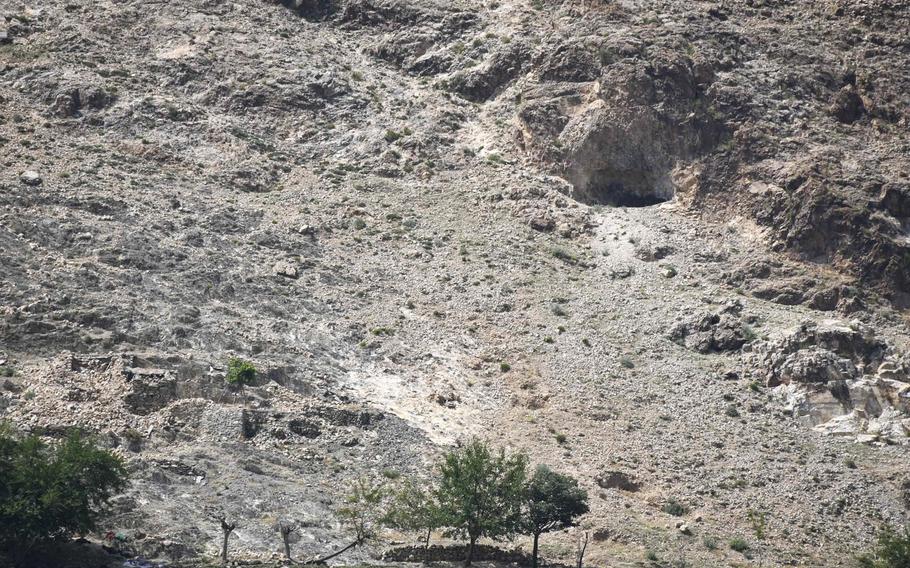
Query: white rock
[
  {"x": 30, "y": 177},
  {"x": 286, "y": 269}
]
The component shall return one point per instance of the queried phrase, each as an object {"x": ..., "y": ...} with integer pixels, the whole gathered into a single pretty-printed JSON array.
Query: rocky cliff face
[{"x": 659, "y": 245}]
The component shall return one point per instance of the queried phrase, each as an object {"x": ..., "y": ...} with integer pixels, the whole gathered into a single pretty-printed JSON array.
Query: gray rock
[
  {"x": 286, "y": 269},
  {"x": 30, "y": 177}
]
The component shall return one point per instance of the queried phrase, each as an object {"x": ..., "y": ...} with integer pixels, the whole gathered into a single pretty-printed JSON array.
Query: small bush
[
  {"x": 505, "y": 367},
  {"x": 383, "y": 331},
  {"x": 561, "y": 438},
  {"x": 710, "y": 542},
  {"x": 732, "y": 412},
  {"x": 675, "y": 508},
  {"x": 739, "y": 545},
  {"x": 626, "y": 362},
  {"x": 240, "y": 372},
  {"x": 564, "y": 255},
  {"x": 891, "y": 551},
  {"x": 6, "y": 371}
]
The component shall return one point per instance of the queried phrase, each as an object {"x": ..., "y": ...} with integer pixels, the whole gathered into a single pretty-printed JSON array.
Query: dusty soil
[{"x": 566, "y": 227}]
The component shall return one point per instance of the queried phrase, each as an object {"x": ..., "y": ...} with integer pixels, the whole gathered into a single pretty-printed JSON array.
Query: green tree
[
  {"x": 480, "y": 493},
  {"x": 553, "y": 502},
  {"x": 415, "y": 509},
  {"x": 892, "y": 550},
  {"x": 363, "y": 512},
  {"x": 49, "y": 492}
]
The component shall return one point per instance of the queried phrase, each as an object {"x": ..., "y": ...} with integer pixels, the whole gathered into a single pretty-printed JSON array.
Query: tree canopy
[
  {"x": 553, "y": 501},
  {"x": 480, "y": 493},
  {"x": 54, "y": 491}
]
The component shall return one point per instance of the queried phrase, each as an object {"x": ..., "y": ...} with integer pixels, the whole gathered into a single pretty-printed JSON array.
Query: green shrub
[
  {"x": 564, "y": 255},
  {"x": 386, "y": 331},
  {"x": 505, "y": 367},
  {"x": 54, "y": 491},
  {"x": 710, "y": 542},
  {"x": 739, "y": 545},
  {"x": 891, "y": 551},
  {"x": 6, "y": 371},
  {"x": 240, "y": 372},
  {"x": 675, "y": 508}
]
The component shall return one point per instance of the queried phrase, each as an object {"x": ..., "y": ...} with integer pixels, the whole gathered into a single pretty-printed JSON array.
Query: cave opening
[{"x": 626, "y": 189}]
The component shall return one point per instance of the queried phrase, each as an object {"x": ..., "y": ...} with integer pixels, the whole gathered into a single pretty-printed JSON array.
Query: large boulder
[{"x": 713, "y": 331}]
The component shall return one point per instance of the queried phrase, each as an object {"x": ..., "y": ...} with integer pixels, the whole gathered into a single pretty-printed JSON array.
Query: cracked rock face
[{"x": 841, "y": 380}]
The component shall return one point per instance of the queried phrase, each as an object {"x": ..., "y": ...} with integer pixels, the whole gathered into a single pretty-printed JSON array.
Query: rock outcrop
[{"x": 840, "y": 379}]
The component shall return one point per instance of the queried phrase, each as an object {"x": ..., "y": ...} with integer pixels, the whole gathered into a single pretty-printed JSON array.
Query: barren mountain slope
[{"x": 659, "y": 245}]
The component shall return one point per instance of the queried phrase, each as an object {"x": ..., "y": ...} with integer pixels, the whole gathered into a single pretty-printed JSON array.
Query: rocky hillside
[{"x": 659, "y": 245}]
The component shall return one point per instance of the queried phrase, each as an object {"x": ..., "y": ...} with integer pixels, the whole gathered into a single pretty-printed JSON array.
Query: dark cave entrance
[{"x": 626, "y": 189}]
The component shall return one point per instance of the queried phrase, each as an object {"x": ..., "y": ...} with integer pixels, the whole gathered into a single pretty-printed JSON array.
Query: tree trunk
[
  {"x": 286, "y": 531},
  {"x": 534, "y": 551},
  {"x": 470, "y": 555},
  {"x": 224, "y": 547},
  {"x": 426, "y": 547},
  {"x": 332, "y": 555},
  {"x": 580, "y": 554},
  {"x": 227, "y": 528}
]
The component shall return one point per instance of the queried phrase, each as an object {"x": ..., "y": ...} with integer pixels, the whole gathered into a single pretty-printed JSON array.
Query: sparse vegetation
[
  {"x": 739, "y": 545},
  {"x": 383, "y": 331},
  {"x": 891, "y": 551},
  {"x": 675, "y": 508},
  {"x": 564, "y": 255},
  {"x": 415, "y": 508},
  {"x": 240, "y": 372}
]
